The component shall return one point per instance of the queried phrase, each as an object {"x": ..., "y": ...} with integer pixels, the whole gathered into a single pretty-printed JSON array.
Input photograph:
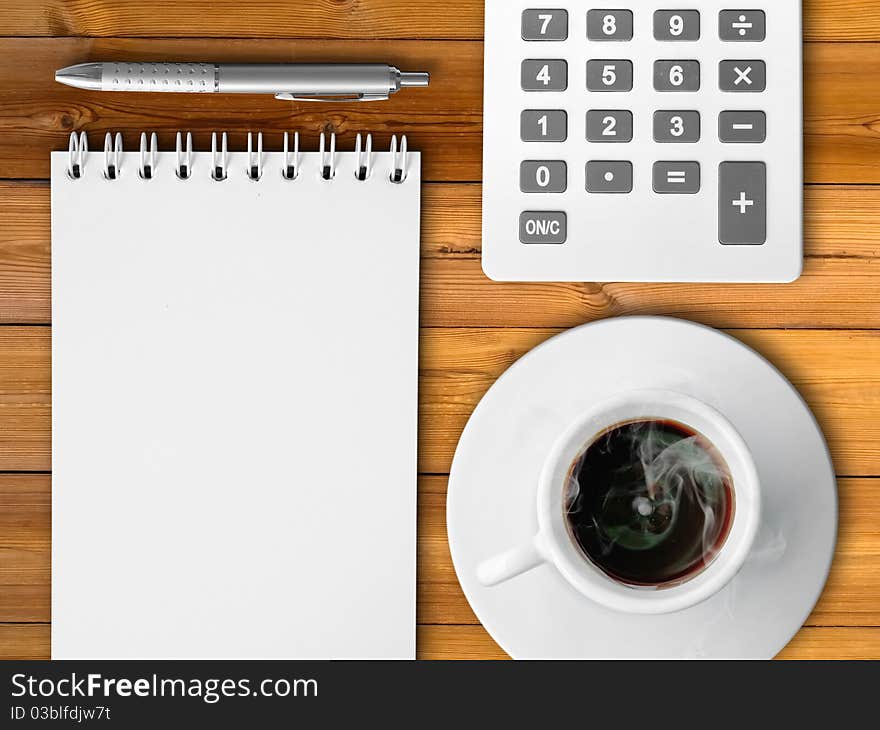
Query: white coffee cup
[{"x": 553, "y": 543}]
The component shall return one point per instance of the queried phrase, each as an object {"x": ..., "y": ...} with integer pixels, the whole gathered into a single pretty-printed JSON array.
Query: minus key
[{"x": 742, "y": 127}]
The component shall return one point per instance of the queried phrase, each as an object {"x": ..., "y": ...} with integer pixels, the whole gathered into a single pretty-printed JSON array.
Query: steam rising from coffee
[{"x": 650, "y": 502}]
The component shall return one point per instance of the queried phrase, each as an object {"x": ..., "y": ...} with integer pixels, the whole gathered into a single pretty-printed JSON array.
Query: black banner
[{"x": 329, "y": 694}]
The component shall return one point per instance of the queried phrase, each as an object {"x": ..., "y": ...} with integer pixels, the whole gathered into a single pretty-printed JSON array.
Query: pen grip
[{"x": 191, "y": 78}]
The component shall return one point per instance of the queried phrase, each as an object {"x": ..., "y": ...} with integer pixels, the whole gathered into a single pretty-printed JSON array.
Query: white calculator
[{"x": 643, "y": 141}]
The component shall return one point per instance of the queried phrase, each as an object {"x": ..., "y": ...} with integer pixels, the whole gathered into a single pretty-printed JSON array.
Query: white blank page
[{"x": 234, "y": 390}]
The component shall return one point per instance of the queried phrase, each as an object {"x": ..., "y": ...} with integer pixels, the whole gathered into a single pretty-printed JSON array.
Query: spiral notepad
[{"x": 234, "y": 400}]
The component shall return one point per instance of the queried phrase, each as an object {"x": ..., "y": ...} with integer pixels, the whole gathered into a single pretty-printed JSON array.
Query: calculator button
[
  {"x": 677, "y": 25},
  {"x": 544, "y": 25},
  {"x": 742, "y": 25},
  {"x": 611, "y": 75},
  {"x": 677, "y": 75},
  {"x": 676, "y": 178},
  {"x": 544, "y": 75},
  {"x": 543, "y": 125},
  {"x": 741, "y": 127},
  {"x": 609, "y": 126},
  {"x": 543, "y": 176},
  {"x": 742, "y": 76},
  {"x": 609, "y": 177},
  {"x": 609, "y": 25},
  {"x": 676, "y": 126},
  {"x": 742, "y": 203},
  {"x": 539, "y": 226}
]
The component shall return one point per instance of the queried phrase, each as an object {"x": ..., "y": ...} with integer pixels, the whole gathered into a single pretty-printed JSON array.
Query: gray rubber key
[
  {"x": 609, "y": 126},
  {"x": 742, "y": 76},
  {"x": 544, "y": 74},
  {"x": 677, "y": 25},
  {"x": 543, "y": 176},
  {"x": 543, "y": 227},
  {"x": 676, "y": 75},
  {"x": 742, "y": 25},
  {"x": 609, "y": 176},
  {"x": 609, "y": 75},
  {"x": 543, "y": 125},
  {"x": 742, "y": 127},
  {"x": 545, "y": 25},
  {"x": 609, "y": 25},
  {"x": 742, "y": 203},
  {"x": 676, "y": 126},
  {"x": 677, "y": 178}
]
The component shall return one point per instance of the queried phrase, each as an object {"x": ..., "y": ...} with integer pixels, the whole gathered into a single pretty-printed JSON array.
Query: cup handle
[{"x": 512, "y": 563}]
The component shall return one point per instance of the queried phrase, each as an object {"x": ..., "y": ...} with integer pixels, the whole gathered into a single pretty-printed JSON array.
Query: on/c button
[{"x": 543, "y": 227}]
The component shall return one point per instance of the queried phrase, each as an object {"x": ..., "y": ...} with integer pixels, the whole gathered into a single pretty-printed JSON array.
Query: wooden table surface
[{"x": 821, "y": 331}]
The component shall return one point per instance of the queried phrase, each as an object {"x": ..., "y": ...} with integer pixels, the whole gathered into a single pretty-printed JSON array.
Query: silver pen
[{"x": 292, "y": 81}]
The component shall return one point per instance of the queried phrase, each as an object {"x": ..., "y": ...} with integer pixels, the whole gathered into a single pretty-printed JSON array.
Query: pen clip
[{"x": 290, "y": 96}]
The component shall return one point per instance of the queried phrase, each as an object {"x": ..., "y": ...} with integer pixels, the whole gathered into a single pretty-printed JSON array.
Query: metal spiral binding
[
  {"x": 78, "y": 148},
  {"x": 221, "y": 163},
  {"x": 148, "y": 158},
  {"x": 183, "y": 169},
  {"x": 328, "y": 164},
  {"x": 364, "y": 166},
  {"x": 76, "y": 151},
  {"x": 290, "y": 168},
  {"x": 255, "y": 166},
  {"x": 112, "y": 156},
  {"x": 398, "y": 171}
]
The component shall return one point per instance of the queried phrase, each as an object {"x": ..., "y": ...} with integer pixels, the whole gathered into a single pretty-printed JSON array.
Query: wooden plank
[
  {"x": 838, "y": 289},
  {"x": 31, "y": 641},
  {"x": 851, "y": 598},
  {"x": 832, "y": 293},
  {"x": 24, "y": 641},
  {"x": 836, "y": 371},
  {"x": 25, "y": 399},
  {"x": 36, "y": 114},
  {"x": 829, "y": 20},
  {"x": 834, "y": 644},
  {"x": 25, "y": 253},
  {"x": 840, "y": 222},
  {"x": 255, "y": 19},
  {"x": 840, "y": 118},
  {"x": 25, "y": 548},
  {"x": 472, "y": 642}
]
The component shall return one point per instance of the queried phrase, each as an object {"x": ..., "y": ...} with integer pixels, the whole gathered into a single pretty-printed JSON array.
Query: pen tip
[
  {"x": 82, "y": 75},
  {"x": 409, "y": 79}
]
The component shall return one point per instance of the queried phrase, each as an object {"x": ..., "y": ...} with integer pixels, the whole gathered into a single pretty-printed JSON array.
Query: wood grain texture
[
  {"x": 24, "y": 641},
  {"x": 25, "y": 547},
  {"x": 838, "y": 289},
  {"x": 31, "y": 641},
  {"x": 827, "y": 20},
  {"x": 25, "y": 399},
  {"x": 836, "y": 371},
  {"x": 473, "y": 328},
  {"x": 37, "y": 115},
  {"x": 851, "y": 598},
  {"x": 472, "y": 642}
]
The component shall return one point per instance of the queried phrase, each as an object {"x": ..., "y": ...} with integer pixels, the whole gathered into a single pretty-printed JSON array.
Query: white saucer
[{"x": 492, "y": 495}]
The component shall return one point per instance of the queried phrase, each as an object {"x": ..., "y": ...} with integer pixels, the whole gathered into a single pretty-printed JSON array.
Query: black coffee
[{"x": 650, "y": 502}]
